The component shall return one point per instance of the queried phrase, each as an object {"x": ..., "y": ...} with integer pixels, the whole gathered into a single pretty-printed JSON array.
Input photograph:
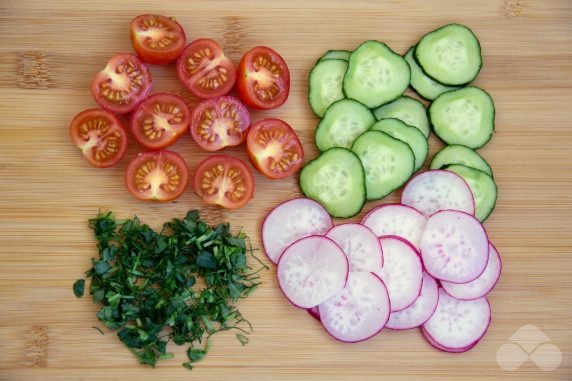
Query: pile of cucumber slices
[{"x": 372, "y": 138}]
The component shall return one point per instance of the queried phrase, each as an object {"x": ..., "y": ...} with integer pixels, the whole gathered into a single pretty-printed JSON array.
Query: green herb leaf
[
  {"x": 78, "y": 288},
  {"x": 243, "y": 339}
]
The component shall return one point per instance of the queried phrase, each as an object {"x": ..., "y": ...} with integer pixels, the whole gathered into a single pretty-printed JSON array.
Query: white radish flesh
[
  {"x": 458, "y": 324},
  {"x": 359, "y": 311},
  {"x": 432, "y": 191},
  {"x": 396, "y": 219},
  {"x": 290, "y": 221},
  {"x": 421, "y": 310},
  {"x": 480, "y": 286},
  {"x": 454, "y": 247},
  {"x": 312, "y": 270},
  {"x": 360, "y": 245},
  {"x": 402, "y": 272}
]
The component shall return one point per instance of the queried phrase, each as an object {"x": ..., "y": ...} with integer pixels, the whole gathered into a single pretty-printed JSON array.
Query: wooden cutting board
[{"x": 49, "y": 52}]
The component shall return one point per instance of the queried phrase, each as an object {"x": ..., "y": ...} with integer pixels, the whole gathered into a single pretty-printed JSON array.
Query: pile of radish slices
[{"x": 425, "y": 263}]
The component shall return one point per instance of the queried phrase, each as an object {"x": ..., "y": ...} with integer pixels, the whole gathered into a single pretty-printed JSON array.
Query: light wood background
[{"x": 49, "y": 52}]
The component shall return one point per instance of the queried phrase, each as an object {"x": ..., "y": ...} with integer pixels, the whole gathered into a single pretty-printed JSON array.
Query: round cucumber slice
[
  {"x": 336, "y": 180},
  {"x": 343, "y": 122},
  {"x": 388, "y": 162},
  {"x": 465, "y": 116},
  {"x": 336, "y": 55},
  {"x": 407, "y": 109},
  {"x": 326, "y": 84},
  {"x": 456, "y": 154},
  {"x": 407, "y": 134},
  {"x": 451, "y": 55}
]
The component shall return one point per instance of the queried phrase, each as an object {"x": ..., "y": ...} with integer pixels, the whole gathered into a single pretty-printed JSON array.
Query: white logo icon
[{"x": 529, "y": 342}]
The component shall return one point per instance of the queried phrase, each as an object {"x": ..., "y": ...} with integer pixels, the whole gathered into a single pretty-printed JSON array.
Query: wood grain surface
[{"x": 49, "y": 52}]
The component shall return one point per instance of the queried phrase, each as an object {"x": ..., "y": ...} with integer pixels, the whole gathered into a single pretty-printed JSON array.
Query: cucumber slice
[
  {"x": 336, "y": 180},
  {"x": 407, "y": 109},
  {"x": 451, "y": 55},
  {"x": 465, "y": 116},
  {"x": 483, "y": 187},
  {"x": 343, "y": 122},
  {"x": 376, "y": 74},
  {"x": 388, "y": 163},
  {"x": 336, "y": 55},
  {"x": 457, "y": 154},
  {"x": 412, "y": 136},
  {"x": 326, "y": 84},
  {"x": 421, "y": 83}
]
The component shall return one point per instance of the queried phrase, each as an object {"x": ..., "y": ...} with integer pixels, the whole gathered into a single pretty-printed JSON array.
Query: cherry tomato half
[
  {"x": 219, "y": 122},
  {"x": 263, "y": 79},
  {"x": 205, "y": 70},
  {"x": 122, "y": 84},
  {"x": 157, "y": 39},
  {"x": 100, "y": 136},
  {"x": 160, "y": 120},
  {"x": 157, "y": 176},
  {"x": 274, "y": 148},
  {"x": 224, "y": 180}
]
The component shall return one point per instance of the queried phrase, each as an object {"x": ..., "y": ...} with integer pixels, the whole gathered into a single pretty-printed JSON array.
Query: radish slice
[
  {"x": 421, "y": 310},
  {"x": 314, "y": 312},
  {"x": 445, "y": 349},
  {"x": 396, "y": 219},
  {"x": 454, "y": 247},
  {"x": 290, "y": 221},
  {"x": 312, "y": 270},
  {"x": 359, "y": 311},
  {"x": 458, "y": 324},
  {"x": 436, "y": 190},
  {"x": 360, "y": 245},
  {"x": 480, "y": 286},
  {"x": 402, "y": 272}
]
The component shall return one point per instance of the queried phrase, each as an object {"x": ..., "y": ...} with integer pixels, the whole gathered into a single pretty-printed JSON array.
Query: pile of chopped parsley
[{"x": 145, "y": 281}]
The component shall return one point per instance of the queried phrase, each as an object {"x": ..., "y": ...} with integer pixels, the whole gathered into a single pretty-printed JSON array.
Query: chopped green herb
[
  {"x": 78, "y": 288},
  {"x": 145, "y": 281}
]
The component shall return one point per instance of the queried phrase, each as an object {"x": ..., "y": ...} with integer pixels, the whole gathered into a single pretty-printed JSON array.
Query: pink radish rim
[
  {"x": 382, "y": 327},
  {"x": 311, "y": 236},
  {"x": 276, "y": 207},
  {"x": 486, "y": 235},
  {"x": 365, "y": 217},
  {"x": 443, "y": 348},
  {"x": 358, "y": 223},
  {"x": 448, "y": 172},
  {"x": 472, "y": 344},
  {"x": 420, "y": 260}
]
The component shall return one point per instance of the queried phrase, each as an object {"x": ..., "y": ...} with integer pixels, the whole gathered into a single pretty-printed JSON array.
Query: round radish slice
[
  {"x": 436, "y": 190},
  {"x": 360, "y": 245},
  {"x": 458, "y": 324},
  {"x": 314, "y": 312},
  {"x": 359, "y": 311},
  {"x": 402, "y": 272},
  {"x": 445, "y": 349},
  {"x": 480, "y": 286},
  {"x": 454, "y": 247},
  {"x": 396, "y": 219},
  {"x": 290, "y": 221},
  {"x": 421, "y": 310},
  {"x": 312, "y": 270}
]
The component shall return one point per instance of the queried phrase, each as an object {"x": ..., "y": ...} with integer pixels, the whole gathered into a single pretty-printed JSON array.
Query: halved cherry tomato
[
  {"x": 219, "y": 122},
  {"x": 100, "y": 136},
  {"x": 274, "y": 148},
  {"x": 263, "y": 79},
  {"x": 157, "y": 39},
  {"x": 205, "y": 70},
  {"x": 160, "y": 120},
  {"x": 224, "y": 180},
  {"x": 157, "y": 176},
  {"x": 122, "y": 84}
]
